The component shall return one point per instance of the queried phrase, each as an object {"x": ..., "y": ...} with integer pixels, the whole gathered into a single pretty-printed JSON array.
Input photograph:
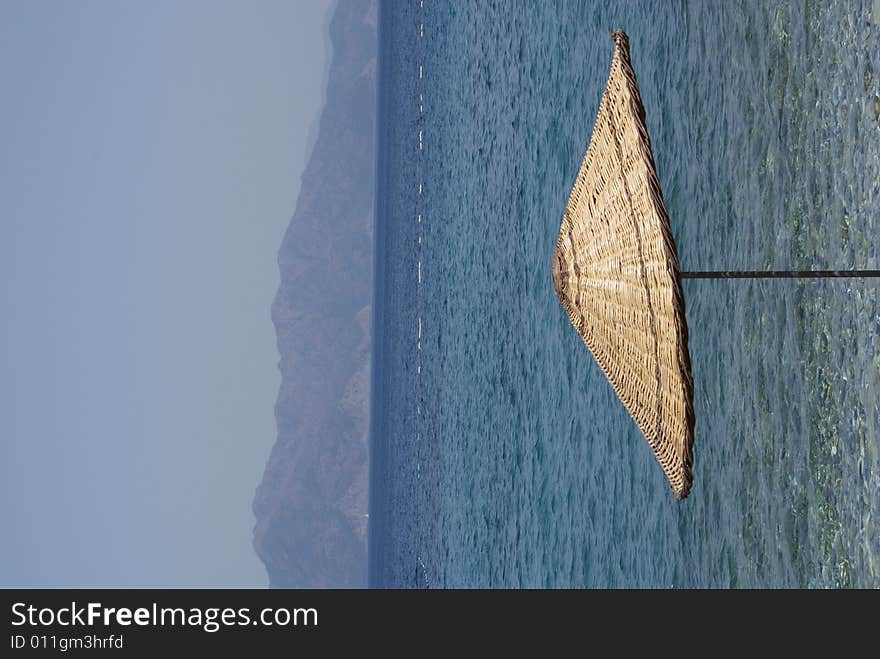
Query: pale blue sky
[{"x": 149, "y": 164}]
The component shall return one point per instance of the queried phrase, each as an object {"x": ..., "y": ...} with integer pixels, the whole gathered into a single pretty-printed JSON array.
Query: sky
[{"x": 150, "y": 158}]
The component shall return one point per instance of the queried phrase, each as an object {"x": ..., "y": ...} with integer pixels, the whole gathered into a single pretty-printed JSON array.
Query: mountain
[{"x": 312, "y": 502}]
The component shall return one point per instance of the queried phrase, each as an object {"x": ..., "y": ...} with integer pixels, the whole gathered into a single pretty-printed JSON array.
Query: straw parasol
[{"x": 616, "y": 272}]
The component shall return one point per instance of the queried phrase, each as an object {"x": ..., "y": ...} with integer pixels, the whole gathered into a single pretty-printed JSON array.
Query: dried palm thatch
[{"x": 616, "y": 272}]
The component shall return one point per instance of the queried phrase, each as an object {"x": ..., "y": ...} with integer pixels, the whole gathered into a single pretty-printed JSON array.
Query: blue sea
[{"x": 501, "y": 457}]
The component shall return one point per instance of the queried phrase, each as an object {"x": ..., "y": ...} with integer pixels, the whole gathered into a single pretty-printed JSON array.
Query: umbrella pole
[{"x": 780, "y": 274}]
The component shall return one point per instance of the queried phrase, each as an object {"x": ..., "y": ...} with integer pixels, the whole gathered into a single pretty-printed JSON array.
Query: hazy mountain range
[{"x": 312, "y": 502}]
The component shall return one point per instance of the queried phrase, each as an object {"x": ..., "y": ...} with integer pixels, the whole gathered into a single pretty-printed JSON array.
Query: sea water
[{"x": 501, "y": 455}]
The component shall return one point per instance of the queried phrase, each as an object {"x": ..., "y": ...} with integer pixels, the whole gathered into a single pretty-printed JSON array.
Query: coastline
[{"x": 376, "y": 441}]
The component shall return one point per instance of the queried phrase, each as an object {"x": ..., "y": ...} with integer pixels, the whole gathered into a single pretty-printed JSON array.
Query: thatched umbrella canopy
[{"x": 616, "y": 272}]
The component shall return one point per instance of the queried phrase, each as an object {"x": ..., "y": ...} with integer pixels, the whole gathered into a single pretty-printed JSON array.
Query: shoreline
[{"x": 377, "y": 436}]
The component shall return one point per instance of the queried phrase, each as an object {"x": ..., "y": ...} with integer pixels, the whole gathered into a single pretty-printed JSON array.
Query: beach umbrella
[{"x": 616, "y": 272}]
